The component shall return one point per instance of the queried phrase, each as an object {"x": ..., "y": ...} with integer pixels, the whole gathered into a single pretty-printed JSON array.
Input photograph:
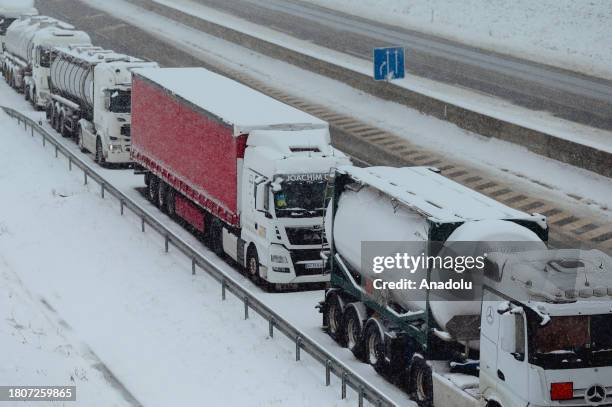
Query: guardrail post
[
  {"x": 69, "y": 163},
  {"x": 121, "y": 203},
  {"x": 344, "y": 375},
  {"x": 298, "y": 345},
  {"x": 166, "y": 243},
  {"x": 102, "y": 190},
  {"x": 25, "y": 125},
  {"x": 44, "y": 140},
  {"x": 32, "y": 131},
  {"x": 271, "y": 327},
  {"x": 222, "y": 290},
  {"x": 142, "y": 224},
  {"x": 55, "y": 151},
  {"x": 246, "y": 307},
  {"x": 193, "y": 264},
  {"x": 360, "y": 396},
  {"x": 84, "y": 177},
  {"x": 328, "y": 364}
]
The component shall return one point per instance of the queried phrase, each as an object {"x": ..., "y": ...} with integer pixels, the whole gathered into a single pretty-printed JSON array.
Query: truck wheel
[
  {"x": 252, "y": 264},
  {"x": 421, "y": 383},
  {"x": 162, "y": 196},
  {"x": 99, "y": 154},
  {"x": 214, "y": 236},
  {"x": 49, "y": 112},
  {"x": 63, "y": 128},
  {"x": 333, "y": 318},
  {"x": 171, "y": 202},
  {"x": 375, "y": 347},
  {"x": 353, "y": 326},
  {"x": 153, "y": 189},
  {"x": 80, "y": 140},
  {"x": 26, "y": 94}
]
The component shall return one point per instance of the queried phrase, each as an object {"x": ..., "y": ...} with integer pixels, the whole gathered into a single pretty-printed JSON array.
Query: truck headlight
[
  {"x": 281, "y": 269},
  {"x": 278, "y": 258},
  {"x": 114, "y": 148}
]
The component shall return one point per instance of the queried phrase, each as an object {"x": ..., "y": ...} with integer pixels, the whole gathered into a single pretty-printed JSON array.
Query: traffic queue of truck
[{"x": 261, "y": 184}]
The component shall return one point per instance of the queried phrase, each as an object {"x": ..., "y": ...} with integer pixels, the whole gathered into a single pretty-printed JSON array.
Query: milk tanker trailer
[
  {"x": 403, "y": 332},
  {"x": 28, "y": 45},
  {"x": 91, "y": 99}
]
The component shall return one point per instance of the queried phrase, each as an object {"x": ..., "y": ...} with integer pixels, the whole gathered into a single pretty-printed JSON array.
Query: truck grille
[
  {"x": 298, "y": 256},
  {"x": 305, "y": 236}
]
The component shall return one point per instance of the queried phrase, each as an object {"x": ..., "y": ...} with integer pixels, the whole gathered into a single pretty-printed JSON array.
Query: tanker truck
[
  {"x": 28, "y": 46},
  {"x": 241, "y": 169},
  {"x": 454, "y": 345},
  {"x": 91, "y": 100},
  {"x": 11, "y": 10}
]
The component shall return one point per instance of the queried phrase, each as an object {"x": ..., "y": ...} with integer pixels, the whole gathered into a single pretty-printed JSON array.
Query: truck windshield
[
  {"x": 120, "y": 101},
  {"x": 571, "y": 342},
  {"x": 4, "y": 24},
  {"x": 300, "y": 199}
]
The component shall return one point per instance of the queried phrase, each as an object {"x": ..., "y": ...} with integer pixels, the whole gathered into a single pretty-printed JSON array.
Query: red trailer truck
[{"x": 243, "y": 169}]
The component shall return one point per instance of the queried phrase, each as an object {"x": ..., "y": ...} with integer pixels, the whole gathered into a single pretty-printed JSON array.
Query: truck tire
[
  {"x": 421, "y": 382},
  {"x": 171, "y": 202},
  {"x": 153, "y": 189},
  {"x": 49, "y": 113},
  {"x": 333, "y": 318},
  {"x": 99, "y": 153},
  {"x": 63, "y": 128},
  {"x": 80, "y": 140},
  {"x": 375, "y": 346},
  {"x": 353, "y": 328},
  {"x": 162, "y": 196},
  {"x": 26, "y": 94},
  {"x": 214, "y": 236},
  {"x": 252, "y": 264}
]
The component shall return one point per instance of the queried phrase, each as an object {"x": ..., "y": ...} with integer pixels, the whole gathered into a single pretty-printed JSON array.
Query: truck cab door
[
  {"x": 489, "y": 336},
  {"x": 512, "y": 367}
]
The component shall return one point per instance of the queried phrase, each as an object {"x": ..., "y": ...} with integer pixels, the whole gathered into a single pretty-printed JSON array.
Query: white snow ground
[
  {"x": 165, "y": 335},
  {"x": 515, "y": 166},
  {"x": 569, "y": 34}
]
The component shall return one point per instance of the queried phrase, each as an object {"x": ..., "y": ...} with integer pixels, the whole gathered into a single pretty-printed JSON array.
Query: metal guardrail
[{"x": 302, "y": 341}]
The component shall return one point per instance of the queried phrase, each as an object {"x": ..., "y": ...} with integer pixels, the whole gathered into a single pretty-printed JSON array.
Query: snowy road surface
[{"x": 499, "y": 36}]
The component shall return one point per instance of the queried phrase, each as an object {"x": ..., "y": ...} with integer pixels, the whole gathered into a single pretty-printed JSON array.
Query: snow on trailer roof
[
  {"x": 438, "y": 197},
  {"x": 232, "y": 102},
  {"x": 92, "y": 54}
]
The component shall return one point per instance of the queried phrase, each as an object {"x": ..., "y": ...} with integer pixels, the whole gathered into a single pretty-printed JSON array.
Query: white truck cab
[
  {"x": 546, "y": 335},
  {"x": 283, "y": 193}
]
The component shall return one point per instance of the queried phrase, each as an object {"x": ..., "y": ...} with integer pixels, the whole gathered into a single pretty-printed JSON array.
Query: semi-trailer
[
  {"x": 91, "y": 99},
  {"x": 494, "y": 349},
  {"x": 11, "y": 10},
  {"x": 244, "y": 170},
  {"x": 27, "y": 55}
]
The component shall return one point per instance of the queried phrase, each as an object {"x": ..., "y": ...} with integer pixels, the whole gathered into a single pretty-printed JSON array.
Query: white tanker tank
[
  {"x": 28, "y": 46},
  {"x": 398, "y": 205}
]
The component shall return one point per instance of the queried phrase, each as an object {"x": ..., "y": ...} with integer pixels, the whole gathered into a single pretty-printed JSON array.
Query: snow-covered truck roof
[
  {"x": 434, "y": 195},
  {"x": 231, "y": 102},
  {"x": 92, "y": 55}
]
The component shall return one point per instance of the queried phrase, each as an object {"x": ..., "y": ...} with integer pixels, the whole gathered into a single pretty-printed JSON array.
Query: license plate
[{"x": 314, "y": 265}]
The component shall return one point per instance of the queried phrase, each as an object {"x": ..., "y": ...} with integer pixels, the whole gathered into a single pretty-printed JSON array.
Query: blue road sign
[{"x": 388, "y": 63}]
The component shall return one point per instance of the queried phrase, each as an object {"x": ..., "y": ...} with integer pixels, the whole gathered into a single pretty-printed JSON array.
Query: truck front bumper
[
  {"x": 118, "y": 155},
  {"x": 302, "y": 267}
]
